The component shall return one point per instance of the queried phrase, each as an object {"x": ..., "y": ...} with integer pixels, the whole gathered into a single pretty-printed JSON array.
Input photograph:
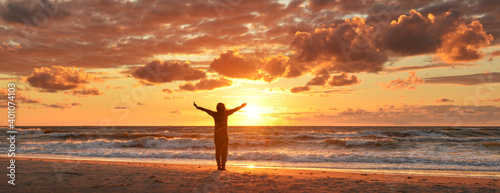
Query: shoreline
[
  {"x": 57, "y": 175},
  {"x": 189, "y": 162}
]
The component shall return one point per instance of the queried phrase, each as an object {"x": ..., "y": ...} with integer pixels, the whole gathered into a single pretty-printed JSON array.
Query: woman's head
[{"x": 221, "y": 107}]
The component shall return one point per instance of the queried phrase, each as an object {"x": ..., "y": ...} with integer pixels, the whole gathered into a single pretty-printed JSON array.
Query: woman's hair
[{"x": 221, "y": 107}]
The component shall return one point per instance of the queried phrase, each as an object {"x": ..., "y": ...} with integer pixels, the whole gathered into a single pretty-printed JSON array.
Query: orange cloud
[
  {"x": 55, "y": 78},
  {"x": 19, "y": 97},
  {"x": 231, "y": 64},
  {"x": 300, "y": 89},
  {"x": 167, "y": 90},
  {"x": 206, "y": 84},
  {"x": 464, "y": 43},
  {"x": 408, "y": 83}
]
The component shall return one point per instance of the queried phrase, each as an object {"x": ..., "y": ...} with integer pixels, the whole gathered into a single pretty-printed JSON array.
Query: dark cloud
[
  {"x": 427, "y": 66},
  {"x": 319, "y": 79},
  {"x": 31, "y": 12},
  {"x": 417, "y": 34},
  {"x": 300, "y": 89},
  {"x": 408, "y": 83},
  {"x": 346, "y": 46},
  {"x": 56, "y": 78},
  {"x": 469, "y": 79},
  {"x": 162, "y": 71},
  {"x": 76, "y": 104},
  {"x": 350, "y": 111},
  {"x": 84, "y": 91},
  {"x": 206, "y": 84},
  {"x": 57, "y": 105},
  {"x": 444, "y": 100},
  {"x": 343, "y": 80}
]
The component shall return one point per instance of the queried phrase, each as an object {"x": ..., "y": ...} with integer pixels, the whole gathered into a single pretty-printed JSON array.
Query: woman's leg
[
  {"x": 218, "y": 155},
  {"x": 224, "y": 151}
]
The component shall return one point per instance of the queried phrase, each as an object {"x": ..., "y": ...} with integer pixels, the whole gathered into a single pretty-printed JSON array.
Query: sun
[{"x": 251, "y": 111}]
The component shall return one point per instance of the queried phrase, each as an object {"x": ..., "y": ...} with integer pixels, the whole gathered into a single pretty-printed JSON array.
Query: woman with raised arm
[{"x": 221, "y": 139}]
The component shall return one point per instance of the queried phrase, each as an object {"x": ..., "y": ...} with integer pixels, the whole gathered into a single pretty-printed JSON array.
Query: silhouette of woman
[{"x": 221, "y": 139}]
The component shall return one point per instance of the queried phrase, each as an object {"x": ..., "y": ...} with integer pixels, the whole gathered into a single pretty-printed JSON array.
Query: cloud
[
  {"x": 350, "y": 111},
  {"x": 338, "y": 45},
  {"x": 173, "y": 98},
  {"x": 409, "y": 83},
  {"x": 120, "y": 107},
  {"x": 274, "y": 67},
  {"x": 416, "y": 34},
  {"x": 343, "y": 80},
  {"x": 56, "y": 78},
  {"x": 464, "y": 43},
  {"x": 84, "y": 91},
  {"x": 33, "y": 13},
  {"x": 109, "y": 40},
  {"x": 300, "y": 89},
  {"x": 446, "y": 34},
  {"x": 175, "y": 112},
  {"x": 162, "y": 71},
  {"x": 320, "y": 78},
  {"x": 76, "y": 104},
  {"x": 231, "y": 64},
  {"x": 469, "y": 79},
  {"x": 57, "y": 105},
  {"x": 452, "y": 115},
  {"x": 274, "y": 90},
  {"x": 167, "y": 90},
  {"x": 114, "y": 87},
  {"x": 495, "y": 100},
  {"x": 427, "y": 66},
  {"x": 19, "y": 98},
  {"x": 355, "y": 45},
  {"x": 206, "y": 84},
  {"x": 444, "y": 100}
]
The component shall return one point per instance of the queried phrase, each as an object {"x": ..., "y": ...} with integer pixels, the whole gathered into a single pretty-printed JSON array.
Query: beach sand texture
[{"x": 45, "y": 175}]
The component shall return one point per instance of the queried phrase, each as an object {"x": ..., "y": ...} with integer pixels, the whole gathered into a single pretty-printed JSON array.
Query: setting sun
[{"x": 251, "y": 111}]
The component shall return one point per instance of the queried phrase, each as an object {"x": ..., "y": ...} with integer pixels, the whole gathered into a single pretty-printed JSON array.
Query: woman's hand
[
  {"x": 243, "y": 105},
  {"x": 194, "y": 103}
]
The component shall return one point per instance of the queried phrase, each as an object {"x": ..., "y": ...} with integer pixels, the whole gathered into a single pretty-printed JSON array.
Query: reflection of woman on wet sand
[{"x": 221, "y": 139}]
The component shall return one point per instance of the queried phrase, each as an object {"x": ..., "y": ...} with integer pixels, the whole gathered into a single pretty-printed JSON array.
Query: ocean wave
[
  {"x": 301, "y": 157},
  {"x": 366, "y": 143}
]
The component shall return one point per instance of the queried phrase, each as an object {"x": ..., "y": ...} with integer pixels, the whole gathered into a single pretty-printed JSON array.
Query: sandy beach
[{"x": 45, "y": 175}]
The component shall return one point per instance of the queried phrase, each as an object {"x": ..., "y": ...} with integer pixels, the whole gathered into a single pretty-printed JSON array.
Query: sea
[{"x": 445, "y": 151}]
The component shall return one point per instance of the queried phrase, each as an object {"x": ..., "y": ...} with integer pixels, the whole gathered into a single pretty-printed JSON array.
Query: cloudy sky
[{"x": 316, "y": 62}]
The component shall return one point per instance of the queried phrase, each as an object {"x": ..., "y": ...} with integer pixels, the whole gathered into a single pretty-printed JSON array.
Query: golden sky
[{"x": 298, "y": 62}]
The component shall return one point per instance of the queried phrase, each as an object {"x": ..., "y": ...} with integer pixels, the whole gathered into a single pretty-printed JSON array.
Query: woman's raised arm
[
  {"x": 231, "y": 111},
  {"x": 203, "y": 109}
]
